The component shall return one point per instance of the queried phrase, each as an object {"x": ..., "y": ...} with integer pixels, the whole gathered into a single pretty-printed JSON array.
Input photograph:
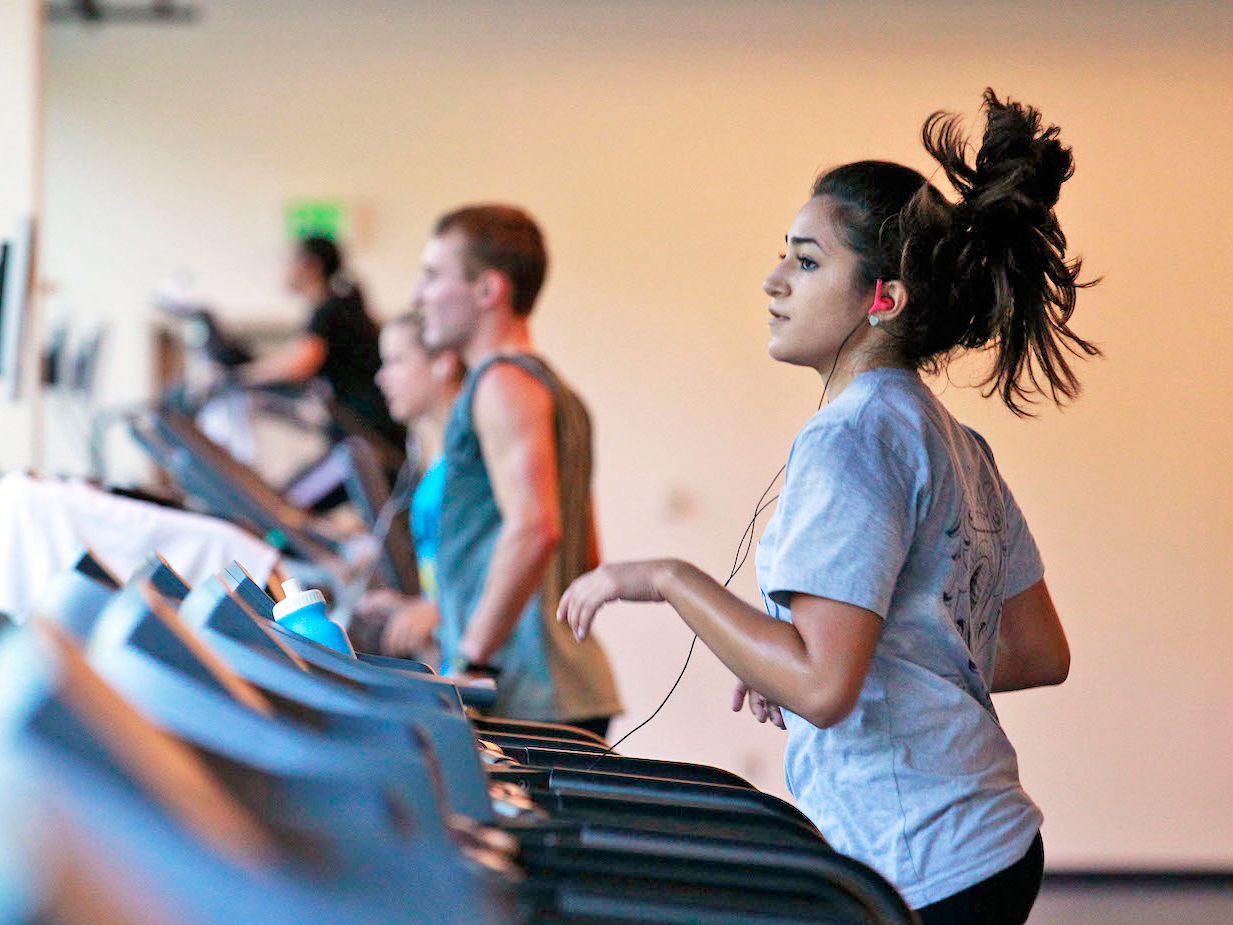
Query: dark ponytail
[{"x": 987, "y": 271}]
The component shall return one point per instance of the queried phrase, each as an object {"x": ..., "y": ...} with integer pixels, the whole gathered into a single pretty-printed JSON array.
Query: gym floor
[{"x": 1146, "y": 901}]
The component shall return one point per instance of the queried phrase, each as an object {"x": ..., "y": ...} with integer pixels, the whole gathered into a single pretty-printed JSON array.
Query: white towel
[{"x": 45, "y": 522}]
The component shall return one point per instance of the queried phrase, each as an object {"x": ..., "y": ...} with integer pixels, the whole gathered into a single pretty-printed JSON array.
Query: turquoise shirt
[{"x": 425, "y": 523}]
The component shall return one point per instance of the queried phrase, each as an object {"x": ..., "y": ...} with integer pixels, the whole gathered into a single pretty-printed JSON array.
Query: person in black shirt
[{"x": 338, "y": 344}]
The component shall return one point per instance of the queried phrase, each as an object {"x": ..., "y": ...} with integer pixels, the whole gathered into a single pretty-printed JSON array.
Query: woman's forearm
[
  {"x": 814, "y": 666},
  {"x": 768, "y": 655}
]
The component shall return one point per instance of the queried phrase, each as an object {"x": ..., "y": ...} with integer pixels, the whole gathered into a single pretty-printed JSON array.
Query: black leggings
[{"x": 1003, "y": 899}]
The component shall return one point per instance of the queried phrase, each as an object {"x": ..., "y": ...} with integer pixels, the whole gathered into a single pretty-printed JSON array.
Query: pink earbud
[{"x": 880, "y": 302}]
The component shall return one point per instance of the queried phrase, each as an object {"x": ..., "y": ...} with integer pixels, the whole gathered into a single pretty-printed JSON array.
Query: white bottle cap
[{"x": 296, "y": 597}]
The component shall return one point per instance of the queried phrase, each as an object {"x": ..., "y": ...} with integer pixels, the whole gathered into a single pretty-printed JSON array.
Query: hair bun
[
  {"x": 996, "y": 273},
  {"x": 1020, "y": 167}
]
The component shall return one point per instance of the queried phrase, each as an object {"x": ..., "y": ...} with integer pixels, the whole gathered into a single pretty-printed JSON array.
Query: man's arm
[{"x": 513, "y": 415}]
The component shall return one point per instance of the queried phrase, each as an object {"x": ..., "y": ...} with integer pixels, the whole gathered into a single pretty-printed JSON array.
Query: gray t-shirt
[{"x": 892, "y": 505}]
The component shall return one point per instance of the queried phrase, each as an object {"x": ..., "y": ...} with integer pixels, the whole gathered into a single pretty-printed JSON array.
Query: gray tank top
[{"x": 545, "y": 673}]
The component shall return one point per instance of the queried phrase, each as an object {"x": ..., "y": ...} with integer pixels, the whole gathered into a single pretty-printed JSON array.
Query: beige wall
[
  {"x": 666, "y": 146},
  {"x": 20, "y": 169}
]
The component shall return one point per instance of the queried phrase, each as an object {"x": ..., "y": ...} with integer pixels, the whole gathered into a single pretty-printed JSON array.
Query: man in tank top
[{"x": 516, "y": 523}]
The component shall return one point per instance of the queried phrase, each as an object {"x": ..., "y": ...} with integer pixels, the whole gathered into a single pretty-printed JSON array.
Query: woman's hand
[
  {"x": 409, "y": 628},
  {"x": 759, "y": 706},
  {"x": 616, "y": 581},
  {"x": 379, "y": 604}
]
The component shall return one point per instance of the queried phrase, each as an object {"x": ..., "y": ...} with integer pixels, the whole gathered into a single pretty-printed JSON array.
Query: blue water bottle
[{"x": 303, "y": 612}]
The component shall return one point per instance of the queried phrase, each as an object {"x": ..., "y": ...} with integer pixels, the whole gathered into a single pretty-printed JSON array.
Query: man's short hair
[{"x": 502, "y": 238}]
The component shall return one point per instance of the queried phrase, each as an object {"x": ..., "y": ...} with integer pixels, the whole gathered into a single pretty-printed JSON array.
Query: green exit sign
[{"x": 325, "y": 218}]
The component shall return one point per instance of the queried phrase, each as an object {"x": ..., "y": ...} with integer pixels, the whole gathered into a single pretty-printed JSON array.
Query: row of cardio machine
[
  {"x": 171, "y": 754},
  {"x": 214, "y": 482}
]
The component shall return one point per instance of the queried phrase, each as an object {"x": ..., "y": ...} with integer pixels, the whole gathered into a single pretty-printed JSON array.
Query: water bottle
[{"x": 303, "y": 612}]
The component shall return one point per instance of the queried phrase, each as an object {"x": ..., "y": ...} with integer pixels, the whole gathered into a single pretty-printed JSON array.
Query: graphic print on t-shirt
[{"x": 973, "y": 588}]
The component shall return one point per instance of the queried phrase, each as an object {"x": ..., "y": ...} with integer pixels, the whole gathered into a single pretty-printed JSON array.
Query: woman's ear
[{"x": 894, "y": 299}]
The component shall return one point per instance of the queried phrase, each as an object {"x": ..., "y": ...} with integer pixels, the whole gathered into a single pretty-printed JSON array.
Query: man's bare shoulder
[{"x": 509, "y": 396}]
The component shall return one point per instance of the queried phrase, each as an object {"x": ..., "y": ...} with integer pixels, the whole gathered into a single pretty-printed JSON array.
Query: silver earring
[{"x": 873, "y": 321}]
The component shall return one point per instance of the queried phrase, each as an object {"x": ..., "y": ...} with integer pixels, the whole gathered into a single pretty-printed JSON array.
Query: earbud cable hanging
[{"x": 738, "y": 561}]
